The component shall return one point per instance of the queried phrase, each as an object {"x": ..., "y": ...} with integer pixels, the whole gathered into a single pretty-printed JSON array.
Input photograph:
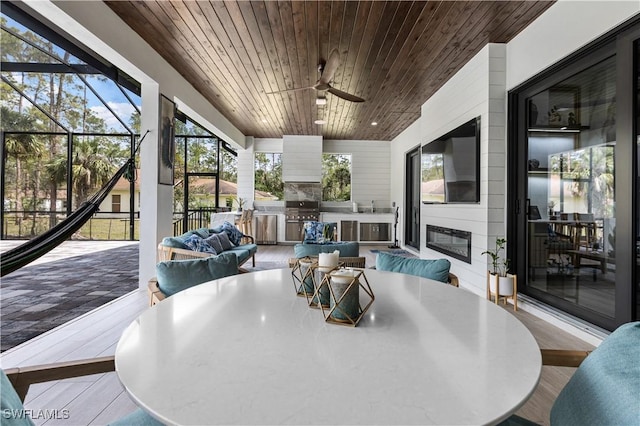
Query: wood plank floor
[{"x": 99, "y": 399}]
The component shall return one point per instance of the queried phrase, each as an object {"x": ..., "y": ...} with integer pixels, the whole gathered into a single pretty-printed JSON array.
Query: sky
[{"x": 107, "y": 90}]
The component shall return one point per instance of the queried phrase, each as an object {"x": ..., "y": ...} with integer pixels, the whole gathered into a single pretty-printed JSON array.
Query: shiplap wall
[
  {"x": 246, "y": 173},
  {"x": 370, "y": 169},
  {"x": 478, "y": 89},
  {"x": 301, "y": 158}
]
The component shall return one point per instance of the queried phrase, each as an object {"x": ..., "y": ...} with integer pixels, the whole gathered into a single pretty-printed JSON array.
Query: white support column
[{"x": 156, "y": 201}]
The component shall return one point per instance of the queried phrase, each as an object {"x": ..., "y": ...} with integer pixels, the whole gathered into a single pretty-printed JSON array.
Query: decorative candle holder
[
  {"x": 302, "y": 275},
  {"x": 321, "y": 277},
  {"x": 344, "y": 296}
]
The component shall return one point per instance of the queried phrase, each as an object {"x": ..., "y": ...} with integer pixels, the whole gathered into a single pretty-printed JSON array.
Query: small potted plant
[{"x": 499, "y": 274}]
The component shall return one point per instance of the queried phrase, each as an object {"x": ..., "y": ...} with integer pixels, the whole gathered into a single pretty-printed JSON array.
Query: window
[
  {"x": 268, "y": 176},
  {"x": 336, "y": 177},
  {"x": 115, "y": 203}
]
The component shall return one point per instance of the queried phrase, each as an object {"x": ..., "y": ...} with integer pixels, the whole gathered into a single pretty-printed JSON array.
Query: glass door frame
[
  {"x": 413, "y": 203},
  {"x": 620, "y": 43}
]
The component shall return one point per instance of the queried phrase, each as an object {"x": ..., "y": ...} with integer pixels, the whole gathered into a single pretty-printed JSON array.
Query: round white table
[{"x": 246, "y": 350}]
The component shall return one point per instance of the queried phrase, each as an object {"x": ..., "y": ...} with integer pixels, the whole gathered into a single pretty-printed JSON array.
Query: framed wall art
[{"x": 166, "y": 145}]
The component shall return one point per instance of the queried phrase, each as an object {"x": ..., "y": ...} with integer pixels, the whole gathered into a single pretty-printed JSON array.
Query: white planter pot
[{"x": 505, "y": 285}]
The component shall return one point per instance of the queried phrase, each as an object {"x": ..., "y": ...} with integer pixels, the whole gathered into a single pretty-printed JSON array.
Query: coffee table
[{"x": 246, "y": 350}]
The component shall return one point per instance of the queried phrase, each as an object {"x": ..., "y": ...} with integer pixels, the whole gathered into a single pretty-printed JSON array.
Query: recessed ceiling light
[
  {"x": 321, "y": 101},
  {"x": 320, "y": 121},
  {"x": 374, "y": 123},
  {"x": 264, "y": 120}
]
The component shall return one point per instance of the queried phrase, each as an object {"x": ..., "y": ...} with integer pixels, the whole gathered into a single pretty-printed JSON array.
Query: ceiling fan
[{"x": 327, "y": 70}]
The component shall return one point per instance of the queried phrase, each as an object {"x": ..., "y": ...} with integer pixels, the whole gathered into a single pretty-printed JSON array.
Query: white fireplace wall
[{"x": 478, "y": 89}]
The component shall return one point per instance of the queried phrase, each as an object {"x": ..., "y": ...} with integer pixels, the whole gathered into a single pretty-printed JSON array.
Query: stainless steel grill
[
  {"x": 302, "y": 210},
  {"x": 296, "y": 213}
]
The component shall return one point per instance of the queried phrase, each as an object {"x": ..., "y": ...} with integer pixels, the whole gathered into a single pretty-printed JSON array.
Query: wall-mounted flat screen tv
[{"x": 451, "y": 166}]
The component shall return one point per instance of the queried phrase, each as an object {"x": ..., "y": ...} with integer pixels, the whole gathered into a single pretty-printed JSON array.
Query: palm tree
[
  {"x": 20, "y": 147},
  {"x": 90, "y": 168}
]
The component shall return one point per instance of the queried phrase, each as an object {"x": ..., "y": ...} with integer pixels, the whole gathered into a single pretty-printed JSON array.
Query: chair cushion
[
  {"x": 137, "y": 418},
  {"x": 10, "y": 403},
  {"x": 346, "y": 249},
  {"x": 177, "y": 275},
  {"x": 435, "y": 269},
  {"x": 605, "y": 389},
  {"x": 244, "y": 252}
]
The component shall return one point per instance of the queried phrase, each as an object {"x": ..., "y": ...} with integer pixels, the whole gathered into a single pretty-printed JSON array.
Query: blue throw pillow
[
  {"x": 193, "y": 242},
  {"x": 435, "y": 269},
  {"x": 177, "y": 275},
  {"x": 225, "y": 242},
  {"x": 174, "y": 242},
  {"x": 233, "y": 233},
  {"x": 214, "y": 242}
]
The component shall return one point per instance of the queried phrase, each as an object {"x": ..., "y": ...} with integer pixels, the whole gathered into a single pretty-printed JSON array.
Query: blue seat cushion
[
  {"x": 435, "y": 269},
  {"x": 177, "y": 275},
  {"x": 137, "y": 418},
  {"x": 346, "y": 249},
  {"x": 605, "y": 389},
  {"x": 243, "y": 252},
  {"x": 10, "y": 403}
]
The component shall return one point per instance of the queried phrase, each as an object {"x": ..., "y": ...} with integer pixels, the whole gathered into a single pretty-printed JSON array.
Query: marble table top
[{"x": 246, "y": 350}]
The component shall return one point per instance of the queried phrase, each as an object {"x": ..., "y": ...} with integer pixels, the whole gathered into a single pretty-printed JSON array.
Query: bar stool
[{"x": 246, "y": 222}]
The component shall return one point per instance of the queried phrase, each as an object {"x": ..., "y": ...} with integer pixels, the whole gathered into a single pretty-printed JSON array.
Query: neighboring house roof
[
  {"x": 226, "y": 187},
  {"x": 123, "y": 184}
]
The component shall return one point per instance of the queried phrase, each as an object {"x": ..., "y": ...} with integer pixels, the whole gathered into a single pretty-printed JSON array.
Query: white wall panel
[{"x": 301, "y": 158}]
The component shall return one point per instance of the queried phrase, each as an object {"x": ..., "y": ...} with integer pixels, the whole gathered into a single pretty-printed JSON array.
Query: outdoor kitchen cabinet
[{"x": 375, "y": 231}]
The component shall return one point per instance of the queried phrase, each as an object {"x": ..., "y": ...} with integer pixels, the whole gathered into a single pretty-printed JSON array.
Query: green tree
[
  {"x": 21, "y": 147},
  {"x": 336, "y": 177},
  {"x": 268, "y": 173}
]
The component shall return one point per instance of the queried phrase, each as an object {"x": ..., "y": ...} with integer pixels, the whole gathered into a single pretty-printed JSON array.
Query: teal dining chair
[
  {"x": 15, "y": 383},
  {"x": 604, "y": 389}
]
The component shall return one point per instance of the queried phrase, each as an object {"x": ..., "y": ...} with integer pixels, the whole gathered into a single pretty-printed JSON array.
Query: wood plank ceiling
[{"x": 394, "y": 54}]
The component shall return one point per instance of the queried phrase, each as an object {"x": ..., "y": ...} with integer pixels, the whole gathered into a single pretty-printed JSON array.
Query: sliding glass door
[
  {"x": 571, "y": 138},
  {"x": 576, "y": 137}
]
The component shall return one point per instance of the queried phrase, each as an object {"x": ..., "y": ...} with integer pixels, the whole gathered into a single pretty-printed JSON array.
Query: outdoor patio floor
[{"x": 48, "y": 293}]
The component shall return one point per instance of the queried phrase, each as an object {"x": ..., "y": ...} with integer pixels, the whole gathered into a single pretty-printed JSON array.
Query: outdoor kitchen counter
[{"x": 363, "y": 227}]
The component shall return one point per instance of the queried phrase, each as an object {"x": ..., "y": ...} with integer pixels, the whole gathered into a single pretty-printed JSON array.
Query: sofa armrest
[
  {"x": 247, "y": 239},
  {"x": 172, "y": 253},
  {"x": 155, "y": 294}
]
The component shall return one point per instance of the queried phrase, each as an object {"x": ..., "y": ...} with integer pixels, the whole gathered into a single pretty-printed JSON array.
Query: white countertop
[{"x": 246, "y": 350}]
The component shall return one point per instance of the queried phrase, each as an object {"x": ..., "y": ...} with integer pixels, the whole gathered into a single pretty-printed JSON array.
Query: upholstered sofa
[
  {"x": 205, "y": 242},
  {"x": 173, "y": 276},
  {"x": 349, "y": 252}
]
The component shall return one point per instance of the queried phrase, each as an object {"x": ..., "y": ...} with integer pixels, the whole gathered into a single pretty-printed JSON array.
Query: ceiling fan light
[
  {"x": 321, "y": 101},
  {"x": 320, "y": 121}
]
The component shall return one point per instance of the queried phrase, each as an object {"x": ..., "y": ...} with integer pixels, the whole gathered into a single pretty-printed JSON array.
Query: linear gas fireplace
[{"x": 451, "y": 242}]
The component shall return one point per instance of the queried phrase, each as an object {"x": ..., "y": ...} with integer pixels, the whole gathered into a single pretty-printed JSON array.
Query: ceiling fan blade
[
  {"x": 330, "y": 67},
  {"x": 289, "y": 90},
  {"x": 344, "y": 95}
]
